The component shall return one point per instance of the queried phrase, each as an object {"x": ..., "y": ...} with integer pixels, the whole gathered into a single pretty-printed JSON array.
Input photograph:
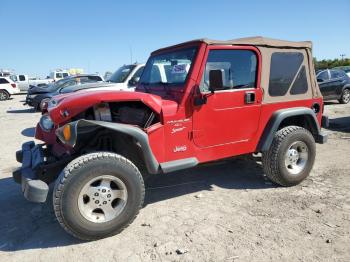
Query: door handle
[{"x": 249, "y": 97}]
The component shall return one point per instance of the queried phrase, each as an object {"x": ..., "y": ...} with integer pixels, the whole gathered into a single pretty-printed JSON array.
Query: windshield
[
  {"x": 169, "y": 68},
  {"x": 13, "y": 78},
  {"x": 121, "y": 74}
]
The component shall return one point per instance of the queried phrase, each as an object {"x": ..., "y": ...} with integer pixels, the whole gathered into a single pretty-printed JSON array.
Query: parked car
[
  {"x": 23, "y": 81},
  {"x": 64, "y": 91},
  {"x": 346, "y": 69},
  {"x": 127, "y": 76},
  {"x": 219, "y": 99},
  {"x": 334, "y": 85},
  {"x": 36, "y": 96},
  {"x": 7, "y": 88}
]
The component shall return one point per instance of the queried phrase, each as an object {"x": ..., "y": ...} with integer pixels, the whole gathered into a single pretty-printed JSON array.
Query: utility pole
[
  {"x": 342, "y": 56},
  {"x": 130, "y": 48}
]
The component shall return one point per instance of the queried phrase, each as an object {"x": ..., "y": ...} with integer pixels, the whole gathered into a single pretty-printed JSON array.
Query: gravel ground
[{"x": 226, "y": 211}]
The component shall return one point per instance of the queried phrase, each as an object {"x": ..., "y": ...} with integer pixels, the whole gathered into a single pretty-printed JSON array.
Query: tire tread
[{"x": 67, "y": 172}]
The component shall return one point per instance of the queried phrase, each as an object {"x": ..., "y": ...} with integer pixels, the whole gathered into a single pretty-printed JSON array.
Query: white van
[{"x": 59, "y": 74}]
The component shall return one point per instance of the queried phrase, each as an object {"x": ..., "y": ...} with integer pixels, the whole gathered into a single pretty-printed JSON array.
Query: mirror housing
[
  {"x": 319, "y": 80},
  {"x": 216, "y": 79},
  {"x": 133, "y": 81}
]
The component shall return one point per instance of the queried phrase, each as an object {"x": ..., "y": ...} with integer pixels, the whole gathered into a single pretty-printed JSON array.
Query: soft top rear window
[{"x": 284, "y": 68}]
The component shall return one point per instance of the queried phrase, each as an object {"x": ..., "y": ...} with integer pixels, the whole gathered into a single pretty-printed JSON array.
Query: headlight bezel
[{"x": 46, "y": 123}]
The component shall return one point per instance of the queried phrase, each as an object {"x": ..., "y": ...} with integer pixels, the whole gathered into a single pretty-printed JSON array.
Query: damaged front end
[
  {"x": 39, "y": 168},
  {"x": 105, "y": 126}
]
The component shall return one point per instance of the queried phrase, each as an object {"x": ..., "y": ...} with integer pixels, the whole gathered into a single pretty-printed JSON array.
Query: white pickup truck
[{"x": 23, "y": 81}]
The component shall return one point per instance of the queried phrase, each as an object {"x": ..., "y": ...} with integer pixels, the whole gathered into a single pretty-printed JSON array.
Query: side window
[
  {"x": 138, "y": 72},
  {"x": 58, "y": 75},
  {"x": 336, "y": 74},
  {"x": 323, "y": 75},
  {"x": 155, "y": 75},
  {"x": 3, "y": 81},
  {"x": 65, "y": 75},
  {"x": 300, "y": 84},
  {"x": 21, "y": 78},
  {"x": 284, "y": 68},
  {"x": 95, "y": 78},
  {"x": 239, "y": 68}
]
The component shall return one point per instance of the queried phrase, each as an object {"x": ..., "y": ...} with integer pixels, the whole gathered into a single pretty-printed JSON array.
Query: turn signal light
[{"x": 67, "y": 132}]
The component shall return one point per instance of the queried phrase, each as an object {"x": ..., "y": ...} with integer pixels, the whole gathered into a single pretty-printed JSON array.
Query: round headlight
[{"x": 46, "y": 123}]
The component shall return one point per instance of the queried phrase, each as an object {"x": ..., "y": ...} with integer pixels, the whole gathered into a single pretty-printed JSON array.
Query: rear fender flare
[{"x": 277, "y": 118}]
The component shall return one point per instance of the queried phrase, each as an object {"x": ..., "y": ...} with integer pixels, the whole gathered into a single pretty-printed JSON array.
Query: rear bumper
[
  {"x": 36, "y": 172},
  {"x": 322, "y": 137}
]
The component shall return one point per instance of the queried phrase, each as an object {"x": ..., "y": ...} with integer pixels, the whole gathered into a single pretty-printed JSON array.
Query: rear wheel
[
  {"x": 345, "y": 97},
  {"x": 97, "y": 195},
  {"x": 4, "y": 95},
  {"x": 291, "y": 156}
]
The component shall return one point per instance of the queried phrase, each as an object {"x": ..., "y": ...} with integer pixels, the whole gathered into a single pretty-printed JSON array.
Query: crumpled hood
[
  {"x": 33, "y": 90},
  {"x": 75, "y": 103}
]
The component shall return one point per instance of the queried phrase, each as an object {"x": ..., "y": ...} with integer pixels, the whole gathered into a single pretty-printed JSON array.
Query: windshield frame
[{"x": 147, "y": 86}]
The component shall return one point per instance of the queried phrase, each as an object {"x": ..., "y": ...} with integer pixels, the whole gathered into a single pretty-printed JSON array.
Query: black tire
[
  {"x": 274, "y": 159},
  {"x": 4, "y": 95},
  {"x": 77, "y": 174},
  {"x": 345, "y": 96}
]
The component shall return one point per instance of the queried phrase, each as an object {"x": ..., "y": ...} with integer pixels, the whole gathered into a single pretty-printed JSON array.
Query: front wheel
[
  {"x": 345, "y": 97},
  {"x": 290, "y": 157},
  {"x": 97, "y": 195}
]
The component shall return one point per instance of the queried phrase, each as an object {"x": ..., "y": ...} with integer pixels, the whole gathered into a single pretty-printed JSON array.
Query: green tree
[{"x": 330, "y": 63}]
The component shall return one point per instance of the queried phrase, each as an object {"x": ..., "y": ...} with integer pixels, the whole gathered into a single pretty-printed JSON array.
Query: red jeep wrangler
[{"x": 196, "y": 102}]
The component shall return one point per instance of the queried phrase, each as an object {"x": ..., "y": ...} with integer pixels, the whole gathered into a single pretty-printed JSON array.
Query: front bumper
[
  {"x": 32, "y": 157},
  {"x": 29, "y": 100},
  {"x": 37, "y": 172}
]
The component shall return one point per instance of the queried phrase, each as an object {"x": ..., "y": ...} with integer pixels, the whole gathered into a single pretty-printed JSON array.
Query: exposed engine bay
[{"x": 133, "y": 113}]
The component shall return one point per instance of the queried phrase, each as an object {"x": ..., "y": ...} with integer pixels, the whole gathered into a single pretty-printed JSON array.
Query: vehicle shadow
[
  {"x": 28, "y": 132},
  {"x": 340, "y": 124},
  {"x": 28, "y": 225},
  {"x": 20, "y": 111},
  {"x": 331, "y": 102}
]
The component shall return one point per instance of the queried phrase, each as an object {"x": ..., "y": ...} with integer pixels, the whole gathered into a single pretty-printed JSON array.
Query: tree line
[{"x": 330, "y": 63}]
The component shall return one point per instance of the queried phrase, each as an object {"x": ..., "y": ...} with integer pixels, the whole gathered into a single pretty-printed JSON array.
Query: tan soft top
[{"x": 255, "y": 41}]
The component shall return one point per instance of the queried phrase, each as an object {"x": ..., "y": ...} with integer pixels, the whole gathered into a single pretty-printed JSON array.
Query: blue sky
[{"x": 39, "y": 36}]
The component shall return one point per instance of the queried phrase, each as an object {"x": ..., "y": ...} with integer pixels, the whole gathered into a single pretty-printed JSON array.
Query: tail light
[{"x": 13, "y": 85}]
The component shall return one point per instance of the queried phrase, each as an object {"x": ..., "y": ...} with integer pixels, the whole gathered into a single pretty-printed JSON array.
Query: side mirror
[
  {"x": 319, "y": 80},
  {"x": 133, "y": 81},
  {"x": 216, "y": 79}
]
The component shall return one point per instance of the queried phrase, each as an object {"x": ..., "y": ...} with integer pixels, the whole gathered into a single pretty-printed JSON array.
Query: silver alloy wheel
[
  {"x": 296, "y": 157},
  {"x": 102, "y": 199},
  {"x": 346, "y": 96},
  {"x": 3, "y": 96}
]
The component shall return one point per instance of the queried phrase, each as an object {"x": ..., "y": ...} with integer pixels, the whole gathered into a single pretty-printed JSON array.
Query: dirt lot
[{"x": 221, "y": 212}]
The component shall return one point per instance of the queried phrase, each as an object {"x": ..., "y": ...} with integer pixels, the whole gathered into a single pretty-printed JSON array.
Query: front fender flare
[{"x": 152, "y": 164}]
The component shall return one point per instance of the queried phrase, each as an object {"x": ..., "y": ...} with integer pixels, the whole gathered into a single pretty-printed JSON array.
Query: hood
[
  {"x": 75, "y": 103},
  {"x": 95, "y": 86},
  {"x": 33, "y": 90}
]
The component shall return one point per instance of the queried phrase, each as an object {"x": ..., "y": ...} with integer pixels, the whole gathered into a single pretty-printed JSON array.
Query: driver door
[{"x": 231, "y": 113}]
